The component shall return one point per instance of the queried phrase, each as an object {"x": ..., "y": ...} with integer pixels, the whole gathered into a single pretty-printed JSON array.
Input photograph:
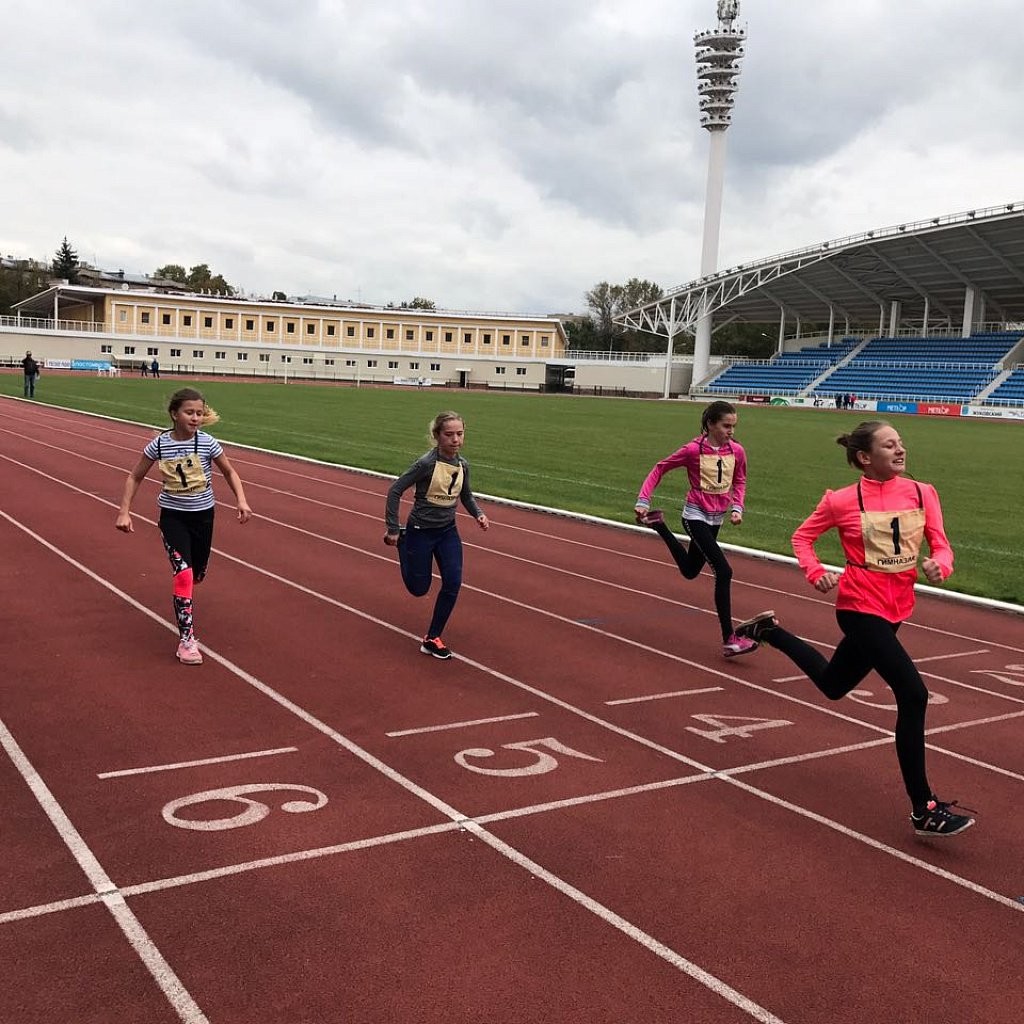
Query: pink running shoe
[
  {"x": 737, "y": 645},
  {"x": 188, "y": 652}
]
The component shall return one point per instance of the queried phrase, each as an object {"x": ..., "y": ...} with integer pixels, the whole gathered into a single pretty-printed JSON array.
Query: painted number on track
[
  {"x": 726, "y": 726},
  {"x": 1012, "y": 674},
  {"x": 252, "y": 810},
  {"x": 542, "y": 763},
  {"x": 860, "y": 696}
]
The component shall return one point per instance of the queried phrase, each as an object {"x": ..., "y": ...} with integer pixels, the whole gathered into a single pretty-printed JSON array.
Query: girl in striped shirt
[{"x": 185, "y": 455}]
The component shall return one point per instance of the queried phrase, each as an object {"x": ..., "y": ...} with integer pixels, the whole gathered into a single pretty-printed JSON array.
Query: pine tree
[{"x": 65, "y": 262}]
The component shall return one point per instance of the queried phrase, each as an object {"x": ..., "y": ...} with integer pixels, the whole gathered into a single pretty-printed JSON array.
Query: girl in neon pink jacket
[
  {"x": 882, "y": 520},
  {"x": 716, "y": 466}
]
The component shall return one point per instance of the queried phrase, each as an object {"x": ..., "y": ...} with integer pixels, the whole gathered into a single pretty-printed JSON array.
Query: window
[
  {"x": 545, "y": 340},
  {"x": 122, "y": 315},
  {"x": 175, "y": 353},
  {"x": 330, "y": 330},
  {"x": 350, "y": 332},
  {"x": 264, "y": 357},
  {"x": 220, "y": 355},
  {"x": 526, "y": 339},
  {"x": 307, "y": 360},
  {"x": 311, "y": 328},
  {"x": 328, "y": 362},
  {"x": 371, "y": 362},
  {"x": 129, "y": 350},
  {"x": 409, "y": 334},
  {"x": 467, "y": 338},
  {"x": 145, "y": 318},
  {"x": 369, "y": 332},
  {"x": 487, "y": 339},
  {"x": 500, "y": 370},
  {"x": 208, "y": 322},
  {"x": 350, "y": 362},
  {"x": 289, "y": 327},
  {"x": 269, "y": 326},
  {"x": 286, "y": 359},
  {"x": 152, "y": 351},
  {"x": 110, "y": 348},
  {"x": 520, "y": 371},
  {"x": 392, "y": 364},
  {"x": 390, "y": 332},
  {"x": 242, "y": 357},
  {"x": 414, "y": 366},
  {"x": 435, "y": 366},
  {"x": 447, "y": 335},
  {"x": 229, "y": 322},
  {"x": 187, "y": 320},
  {"x": 197, "y": 353},
  {"x": 250, "y": 325},
  {"x": 430, "y": 335},
  {"x": 506, "y": 339},
  {"x": 166, "y": 318}
]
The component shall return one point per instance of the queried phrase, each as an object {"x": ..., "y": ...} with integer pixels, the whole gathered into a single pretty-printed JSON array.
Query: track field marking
[
  {"x": 194, "y": 764},
  {"x": 107, "y": 893},
  {"x": 665, "y": 696},
  {"x": 182, "y": 1002},
  {"x": 461, "y": 725},
  {"x": 949, "y": 657}
]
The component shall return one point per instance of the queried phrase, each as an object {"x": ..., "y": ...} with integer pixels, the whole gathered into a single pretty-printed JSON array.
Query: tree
[
  {"x": 279, "y": 297},
  {"x": 65, "y": 262},
  {"x": 608, "y": 301},
  {"x": 20, "y": 279},
  {"x": 199, "y": 279},
  {"x": 172, "y": 272},
  {"x": 419, "y": 303}
]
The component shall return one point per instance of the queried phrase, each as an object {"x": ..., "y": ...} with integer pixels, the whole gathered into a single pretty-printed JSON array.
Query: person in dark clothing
[{"x": 31, "y": 370}]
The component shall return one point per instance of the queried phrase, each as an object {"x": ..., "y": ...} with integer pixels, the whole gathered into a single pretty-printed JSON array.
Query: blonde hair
[
  {"x": 183, "y": 395},
  {"x": 439, "y": 421}
]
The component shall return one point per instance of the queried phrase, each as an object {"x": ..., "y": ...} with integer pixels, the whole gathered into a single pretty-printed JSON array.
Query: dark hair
[
  {"x": 860, "y": 439},
  {"x": 713, "y": 413},
  {"x": 183, "y": 395},
  {"x": 440, "y": 420}
]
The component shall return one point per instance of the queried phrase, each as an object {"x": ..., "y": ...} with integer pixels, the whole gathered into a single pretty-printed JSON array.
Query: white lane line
[
  {"x": 949, "y": 657},
  {"x": 161, "y": 970},
  {"x": 665, "y": 696},
  {"x": 169, "y": 983},
  {"x": 461, "y": 725},
  {"x": 194, "y": 764}
]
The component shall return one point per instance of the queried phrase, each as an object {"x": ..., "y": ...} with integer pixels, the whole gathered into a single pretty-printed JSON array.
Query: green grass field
[{"x": 591, "y": 454}]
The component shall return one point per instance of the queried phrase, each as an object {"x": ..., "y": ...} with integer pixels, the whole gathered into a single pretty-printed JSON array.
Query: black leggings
[
  {"x": 703, "y": 550},
  {"x": 869, "y": 642},
  {"x": 188, "y": 538}
]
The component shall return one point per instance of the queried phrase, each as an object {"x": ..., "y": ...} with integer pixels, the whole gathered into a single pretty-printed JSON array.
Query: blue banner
[
  {"x": 910, "y": 407},
  {"x": 90, "y": 364}
]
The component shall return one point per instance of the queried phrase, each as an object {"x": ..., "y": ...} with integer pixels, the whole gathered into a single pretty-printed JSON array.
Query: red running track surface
[{"x": 587, "y": 815}]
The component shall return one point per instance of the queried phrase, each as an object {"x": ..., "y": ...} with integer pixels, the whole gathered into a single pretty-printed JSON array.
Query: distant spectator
[
  {"x": 154, "y": 368},
  {"x": 31, "y": 370},
  {"x": 839, "y": 401},
  {"x": 144, "y": 369}
]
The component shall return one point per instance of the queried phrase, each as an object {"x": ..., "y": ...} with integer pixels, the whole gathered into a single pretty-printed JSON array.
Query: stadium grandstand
[{"x": 929, "y": 310}]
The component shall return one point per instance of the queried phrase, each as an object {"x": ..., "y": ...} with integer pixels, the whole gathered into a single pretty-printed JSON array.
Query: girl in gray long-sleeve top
[{"x": 441, "y": 479}]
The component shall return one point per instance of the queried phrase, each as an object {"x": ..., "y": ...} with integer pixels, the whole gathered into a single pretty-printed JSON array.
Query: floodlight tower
[{"x": 719, "y": 52}]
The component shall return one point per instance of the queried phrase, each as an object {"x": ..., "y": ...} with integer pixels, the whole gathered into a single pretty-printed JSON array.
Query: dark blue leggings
[
  {"x": 869, "y": 642},
  {"x": 418, "y": 549},
  {"x": 703, "y": 549}
]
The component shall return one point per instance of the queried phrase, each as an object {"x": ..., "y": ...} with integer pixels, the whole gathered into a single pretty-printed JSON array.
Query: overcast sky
[{"x": 488, "y": 155}]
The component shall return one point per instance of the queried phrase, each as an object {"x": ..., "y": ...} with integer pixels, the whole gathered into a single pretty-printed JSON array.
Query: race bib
[
  {"x": 445, "y": 485},
  {"x": 892, "y": 541},
  {"x": 716, "y": 473},
  {"x": 184, "y": 475}
]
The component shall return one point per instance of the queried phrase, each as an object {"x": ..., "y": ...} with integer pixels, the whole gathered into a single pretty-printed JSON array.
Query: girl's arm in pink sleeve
[
  {"x": 739, "y": 480},
  {"x": 818, "y": 522},
  {"x": 674, "y": 461},
  {"x": 934, "y": 531}
]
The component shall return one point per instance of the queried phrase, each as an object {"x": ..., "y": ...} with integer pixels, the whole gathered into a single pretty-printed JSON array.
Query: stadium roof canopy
[{"x": 964, "y": 268}]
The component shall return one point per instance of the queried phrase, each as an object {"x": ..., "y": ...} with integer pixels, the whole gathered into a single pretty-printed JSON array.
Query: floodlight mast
[{"x": 719, "y": 52}]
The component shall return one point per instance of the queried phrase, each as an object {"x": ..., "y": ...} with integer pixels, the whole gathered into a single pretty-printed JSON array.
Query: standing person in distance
[
  {"x": 882, "y": 521},
  {"x": 716, "y": 466},
  {"x": 441, "y": 481},
  {"x": 30, "y": 368},
  {"x": 185, "y": 455}
]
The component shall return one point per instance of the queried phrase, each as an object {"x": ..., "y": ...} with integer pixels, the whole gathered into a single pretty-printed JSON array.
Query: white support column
[
  {"x": 831, "y": 324},
  {"x": 970, "y": 298},
  {"x": 894, "y": 317},
  {"x": 881, "y": 320},
  {"x": 782, "y": 332},
  {"x": 924, "y": 320}
]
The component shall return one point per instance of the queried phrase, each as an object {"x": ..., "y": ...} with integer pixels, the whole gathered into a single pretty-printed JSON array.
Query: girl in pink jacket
[
  {"x": 882, "y": 520},
  {"x": 716, "y": 466}
]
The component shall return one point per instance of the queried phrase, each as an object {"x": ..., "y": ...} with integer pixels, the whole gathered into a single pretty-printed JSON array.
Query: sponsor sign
[
  {"x": 90, "y": 364},
  {"x": 57, "y": 364},
  {"x": 989, "y": 413},
  {"x": 909, "y": 407},
  {"x": 937, "y": 409},
  {"x": 416, "y": 382},
  {"x": 756, "y": 399}
]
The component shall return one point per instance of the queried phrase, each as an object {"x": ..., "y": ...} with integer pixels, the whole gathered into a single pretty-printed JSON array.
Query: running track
[{"x": 586, "y": 816}]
